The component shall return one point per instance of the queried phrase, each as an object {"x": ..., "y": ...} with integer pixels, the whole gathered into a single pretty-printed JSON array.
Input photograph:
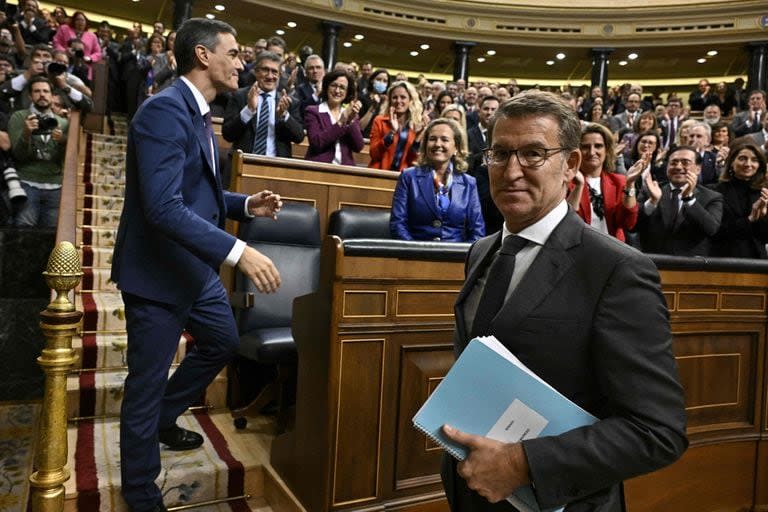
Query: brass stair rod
[{"x": 59, "y": 322}]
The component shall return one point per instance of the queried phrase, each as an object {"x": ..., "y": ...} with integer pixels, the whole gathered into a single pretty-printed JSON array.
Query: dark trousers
[{"x": 152, "y": 400}]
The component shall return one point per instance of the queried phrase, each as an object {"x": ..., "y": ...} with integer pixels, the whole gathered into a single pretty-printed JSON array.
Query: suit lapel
[
  {"x": 427, "y": 188},
  {"x": 457, "y": 192},
  {"x": 484, "y": 250},
  {"x": 197, "y": 122},
  {"x": 549, "y": 267}
]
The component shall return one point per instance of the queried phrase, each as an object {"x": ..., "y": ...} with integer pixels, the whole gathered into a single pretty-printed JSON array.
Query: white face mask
[{"x": 380, "y": 87}]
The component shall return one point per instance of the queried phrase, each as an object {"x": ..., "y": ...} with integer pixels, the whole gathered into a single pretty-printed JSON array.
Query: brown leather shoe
[{"x": 180, "y": 439}]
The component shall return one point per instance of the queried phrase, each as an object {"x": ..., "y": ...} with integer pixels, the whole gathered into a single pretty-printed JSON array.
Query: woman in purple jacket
[{"x": 333, "y": 126}]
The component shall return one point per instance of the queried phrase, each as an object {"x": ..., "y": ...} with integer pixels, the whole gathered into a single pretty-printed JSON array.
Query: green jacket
[{"x": 40, "y": 159}]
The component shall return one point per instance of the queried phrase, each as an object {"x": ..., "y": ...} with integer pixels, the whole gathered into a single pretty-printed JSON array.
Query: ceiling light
[
  {"x": 359, "y": 37},
  {"x": 280, "y": 32},
  {"x": 291, "y": 24},
  {"x": 219, "y": 7},
  {"x": 424, "y": 46},
  {"x": 632, "y": 56},
  {"x": 622, "y": 63},
  {"x": 414, "y": 53},
  {"x": 347, "y": 44},
  {"x": 701, "y": 60},
  {"x": 550, "y": 63},
  {"x": 481, "y": 59},
  {"x": 491, "y": 52},
  {"x": 712, "y": 53},
  {"x": 210, "y": 16},
  {"x": 134, "y": 1},
  {"x": 560, "y": 56}
]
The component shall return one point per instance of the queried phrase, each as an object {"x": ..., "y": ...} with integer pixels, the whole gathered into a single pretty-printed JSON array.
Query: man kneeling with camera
[{"x": 38, "y": 144}]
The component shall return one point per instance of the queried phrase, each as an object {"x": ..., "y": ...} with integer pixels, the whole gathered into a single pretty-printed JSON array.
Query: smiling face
[
  {"x": 592, "y": 149},
  {"x": 315, "y": 70},
  {"x": 524, "y": 195},
  {"x": 224, "y": 64},
  {"x": 267, "y": 74},
  {"x": 441, "y": 146},
  {"x": 646, "y": 144},
  {"x": 400, "y": 100},
  {"x": 337, "y": 91},
  {"x": 720, "y": 136},
  {"x": 745, "y": 164},
  {"x": 681, "y": 164}
]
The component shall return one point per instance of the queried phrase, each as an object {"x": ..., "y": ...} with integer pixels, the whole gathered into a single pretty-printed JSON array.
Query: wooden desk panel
[{"x": 376, "y": 339}]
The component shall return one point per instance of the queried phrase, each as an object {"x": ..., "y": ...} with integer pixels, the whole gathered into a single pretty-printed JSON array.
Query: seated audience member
[
  {"x": 712, "y": 114},
  {"x": 77, "y": 28},
  {"x": 699, "y": 136},
  {"x": 378, "y": 83},
  {"x": 333, "y": 126},
  {"x": 262, "y": 118},
  {"x": 744, "y": 229},
  {"x": 751, "y": 119},
  {"x": 681, "y": 217},
  {"x": 456, "y": 112},
  {"x": 761, "y": 138},
  {"x": 437, "y": 200},
  {"x": 602, "y": 198},
  {"x": 309, "y": 92},
  {"x": 38, "y": 141},
  {"x": 649, "y": 143},
  {"x": 645, "y": 122},
  {"x": 396, "y": 135}
]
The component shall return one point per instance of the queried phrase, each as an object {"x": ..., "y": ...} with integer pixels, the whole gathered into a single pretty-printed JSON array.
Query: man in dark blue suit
[{"x": 169, "y": 247}]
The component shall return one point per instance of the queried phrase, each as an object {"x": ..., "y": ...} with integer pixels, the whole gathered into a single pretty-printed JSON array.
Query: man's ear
[
  {"x": 572, "y": 163},
  {"x": 201, "y": 53}
]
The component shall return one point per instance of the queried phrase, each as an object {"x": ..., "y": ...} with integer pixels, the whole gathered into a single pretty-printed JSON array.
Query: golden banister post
[{"x": 59, "y": 322}]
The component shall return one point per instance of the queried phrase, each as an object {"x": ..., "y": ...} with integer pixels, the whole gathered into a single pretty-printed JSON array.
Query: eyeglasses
[
  {"x": 269, "y": 71},
  {"x": 532, "y": 156},
  {"x": 684, "y": 162},
  {"x": 338, "y": 87}
]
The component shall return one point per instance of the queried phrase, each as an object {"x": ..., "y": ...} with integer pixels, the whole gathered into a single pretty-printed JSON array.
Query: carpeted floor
[{"x": 17, "y": 441}]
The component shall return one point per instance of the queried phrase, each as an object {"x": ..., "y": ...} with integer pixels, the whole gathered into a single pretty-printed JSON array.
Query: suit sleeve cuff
[{"x": 234, "y": 255}]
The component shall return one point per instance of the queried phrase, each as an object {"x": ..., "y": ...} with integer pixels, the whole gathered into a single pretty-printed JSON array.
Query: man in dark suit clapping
[{"x": 556, "y": 287}]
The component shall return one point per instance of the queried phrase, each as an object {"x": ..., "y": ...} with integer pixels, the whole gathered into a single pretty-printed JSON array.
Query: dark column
[
  {"x": 758, "y": 66},
  {"x": 331, "y": 31},
  {"x": 461, "y": 60},
  {"x": 182, "y": 11},
  {"x": 600, "y": 69}
]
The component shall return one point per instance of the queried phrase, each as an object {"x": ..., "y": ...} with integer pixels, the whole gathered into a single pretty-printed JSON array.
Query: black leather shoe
[{"x": 179, "y": 439}]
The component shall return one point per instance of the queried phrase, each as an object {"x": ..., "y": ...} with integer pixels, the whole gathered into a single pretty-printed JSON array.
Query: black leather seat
[
  {"x": 349, "y": 223},
  {"x": 292, "y": 242}
]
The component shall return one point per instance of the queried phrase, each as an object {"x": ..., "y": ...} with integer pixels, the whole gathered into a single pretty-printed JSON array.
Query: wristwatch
[{"x": 630, "y": 192}]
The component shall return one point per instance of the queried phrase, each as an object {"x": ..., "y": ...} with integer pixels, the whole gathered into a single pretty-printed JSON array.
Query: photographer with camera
[
  {"x": 11, "y": 191},
  {"x": 38, "y": 143}
]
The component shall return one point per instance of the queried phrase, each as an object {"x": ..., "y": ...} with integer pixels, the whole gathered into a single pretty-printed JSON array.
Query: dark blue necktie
[
  {"x": 262, "y": 128},
  {"x": 496, "y": 285}
]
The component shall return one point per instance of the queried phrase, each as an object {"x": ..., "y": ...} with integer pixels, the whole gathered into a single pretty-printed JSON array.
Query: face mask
[{"x": 380, "y": 87}]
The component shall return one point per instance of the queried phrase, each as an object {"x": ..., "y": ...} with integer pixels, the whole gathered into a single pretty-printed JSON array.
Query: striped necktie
[{"x": 262, "y": 128}]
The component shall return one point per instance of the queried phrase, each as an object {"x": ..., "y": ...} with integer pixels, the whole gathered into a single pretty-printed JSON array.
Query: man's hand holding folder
[{"x": 493, "y": 469}]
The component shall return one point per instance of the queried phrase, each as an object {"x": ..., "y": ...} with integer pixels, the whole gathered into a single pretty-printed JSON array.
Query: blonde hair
[
  {"x": 455, "y": 107},
  {"x": 415, "y": 109},
  {"x": 459, "y": 139}
]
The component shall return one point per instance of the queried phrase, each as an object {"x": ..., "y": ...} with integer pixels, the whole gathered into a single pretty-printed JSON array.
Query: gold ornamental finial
[{"x": 62, "y": 274}]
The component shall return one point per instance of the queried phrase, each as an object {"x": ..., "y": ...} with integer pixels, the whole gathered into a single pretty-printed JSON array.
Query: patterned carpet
[{"x": 17, "y": 441}]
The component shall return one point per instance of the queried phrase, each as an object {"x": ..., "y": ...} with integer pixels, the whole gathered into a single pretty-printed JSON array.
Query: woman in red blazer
[
  {"x": 604, "y": 199},
  {"x": 333, "y": 129},
  {"x": 395, "y": 138}
]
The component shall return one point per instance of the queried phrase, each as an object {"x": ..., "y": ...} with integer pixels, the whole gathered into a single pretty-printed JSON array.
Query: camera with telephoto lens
[
  {"x": 55, "y": 68},
  {"x": 79, "y": 54},
  {"x": 45, "y": 125},
  {"x": 15, "y": 191}
]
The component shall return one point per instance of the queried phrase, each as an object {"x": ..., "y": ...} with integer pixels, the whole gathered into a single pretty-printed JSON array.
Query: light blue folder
[{"x": 489, "y": 392}]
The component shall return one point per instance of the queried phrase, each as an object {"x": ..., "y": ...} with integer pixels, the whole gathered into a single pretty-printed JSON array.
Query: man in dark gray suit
[
  {"x": 681, "y": 217},
  {"x": 582, "y": 310}
]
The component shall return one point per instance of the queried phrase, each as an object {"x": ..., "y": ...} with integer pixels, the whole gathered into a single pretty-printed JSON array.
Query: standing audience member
[
  {"x": 761, "y": 137},
  {"x": 153, "y": 63},
  {"x": 437, "y": 200},
  {"x": 378, "y": 83},
  {"x": 604, "y": 199},
  {"x": 702, "y": 96},
  {"x": 333, "y": 126},
  {"x": 263, "y": 119},
  {"x": 39, "y": 141},
  {"x": 699, "y": 137},
  {"x": 744, "y": 229},
  {"x": 682, "y": 216},
  {"x": 78, "y": 29},
  {"x": 564, "y": 299},
  {"x": 750, "y": 120},
  {"x": 397, "y": 135},
  {"x": 309, "y": 92},
  {"x": 170, "y": 245},
  {"x": 33, "y": 28},
  {"x": 670, "y": 122}
]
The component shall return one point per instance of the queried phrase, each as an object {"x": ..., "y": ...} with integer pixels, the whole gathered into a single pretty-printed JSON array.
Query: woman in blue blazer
[{"x": 437, "y": 200}]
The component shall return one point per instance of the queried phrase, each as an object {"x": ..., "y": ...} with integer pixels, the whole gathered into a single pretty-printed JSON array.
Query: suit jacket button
[
  {"x": 436, "y": 224},
  {"x": 436, "y": 239}
]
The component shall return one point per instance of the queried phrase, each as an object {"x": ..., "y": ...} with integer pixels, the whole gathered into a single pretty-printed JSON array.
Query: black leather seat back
[
  {"x": 349, "y": 223},
  {"x": 292, "y": 242}
]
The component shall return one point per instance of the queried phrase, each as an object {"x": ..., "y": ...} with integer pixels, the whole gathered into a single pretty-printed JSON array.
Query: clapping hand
[
  {"x": 634, "y": 172},
  {"x": 350, "y": 112},
  {"x": 265, "y": 204},
  {"x": 393, "y": 119},
  {"x": 654, "y": 190},
  {"x": 284, "y": 104},
  {"x": 760, "y": 207},
  {"x": 253, "y": 97}
]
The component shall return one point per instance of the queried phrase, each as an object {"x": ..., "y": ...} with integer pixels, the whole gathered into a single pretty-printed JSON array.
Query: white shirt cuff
[
  {"x": 18, "y": 82},
  {"x": 75, "y": 95},
  {"x": 234, "y": 255},
  {"x": 246, "y": 115}
]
